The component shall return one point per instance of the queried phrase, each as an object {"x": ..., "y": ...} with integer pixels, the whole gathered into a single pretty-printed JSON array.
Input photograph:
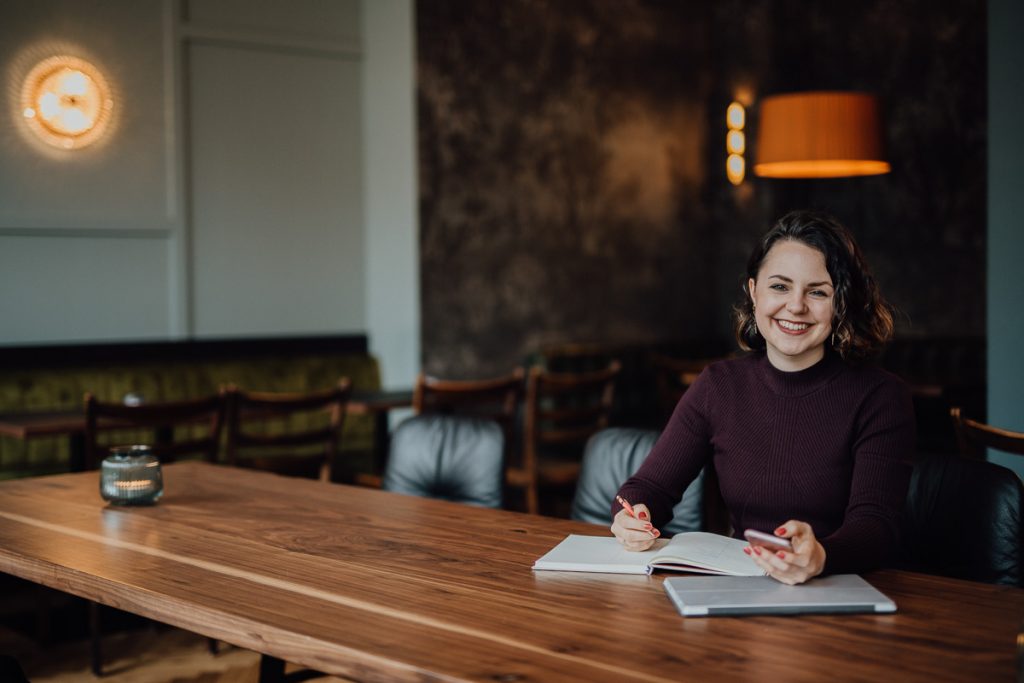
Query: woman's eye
[
  {"x": 778, "y": 288},
  {"x": 820, "y": 294}
]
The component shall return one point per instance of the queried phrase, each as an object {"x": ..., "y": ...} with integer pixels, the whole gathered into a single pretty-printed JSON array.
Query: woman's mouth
[{"x": 792, "y": 327}]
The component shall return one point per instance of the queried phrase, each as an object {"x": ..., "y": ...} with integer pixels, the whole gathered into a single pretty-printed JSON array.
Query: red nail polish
[
  {"x": 642, "y": 515},
  {"x": 781, "y": 555},
  {"x": 757, "y": 550},
  {"x": 781, "y": 530},
  {"x": 648, "y": 526},
  {"x": 747, "y": 550}
]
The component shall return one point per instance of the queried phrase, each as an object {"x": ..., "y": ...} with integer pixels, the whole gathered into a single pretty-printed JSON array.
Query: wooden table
[
  {"x": 384, "y": 587},
  {"x": 71, "y": 423}
]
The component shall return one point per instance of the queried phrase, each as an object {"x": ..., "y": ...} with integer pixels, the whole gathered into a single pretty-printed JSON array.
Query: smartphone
[{"x": 769, "y": 541}]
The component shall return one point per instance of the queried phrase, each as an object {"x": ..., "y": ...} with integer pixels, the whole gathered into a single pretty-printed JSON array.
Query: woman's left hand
[{"x": 805, "y": 561}]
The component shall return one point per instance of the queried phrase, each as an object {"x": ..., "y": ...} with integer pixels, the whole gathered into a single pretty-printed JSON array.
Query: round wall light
[{"x": 66, "y": 102}]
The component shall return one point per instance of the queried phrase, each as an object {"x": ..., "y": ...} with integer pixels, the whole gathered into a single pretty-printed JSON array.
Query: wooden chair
[
  {"x": 562, "y": 411},
  {"x": 495, "y": 398},
  {"x": 262, "y": 431},
  {"x": 156, "y": 421},
  {"x": 975, "y": 437},
  {"x": 260, "y": 437}
]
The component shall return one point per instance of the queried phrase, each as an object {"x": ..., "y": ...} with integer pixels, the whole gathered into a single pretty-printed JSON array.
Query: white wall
[
  {"x": 86, "y": 246},
  {"x": 260, "y": 177},
  {"x": 275, "y": 168},
  {"x": 392, "y": 225}
]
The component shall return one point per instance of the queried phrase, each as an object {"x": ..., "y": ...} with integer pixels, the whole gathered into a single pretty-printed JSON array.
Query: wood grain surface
[{"x": 382, "y": 587}]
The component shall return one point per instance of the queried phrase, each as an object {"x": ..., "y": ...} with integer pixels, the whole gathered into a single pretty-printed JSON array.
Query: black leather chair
[
  {"x": 612, "y": 456},
  {"x": 963, "y": 519},
  {"x": 452, "y": 457}
]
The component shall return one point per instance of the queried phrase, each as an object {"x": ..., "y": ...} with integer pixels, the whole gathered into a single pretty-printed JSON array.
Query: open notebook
[
  {"x": 694, "y": 551},
  {"x": 699, "y": 596}
]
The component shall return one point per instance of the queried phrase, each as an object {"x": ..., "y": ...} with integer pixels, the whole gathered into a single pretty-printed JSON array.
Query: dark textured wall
[{"x": 571, "y": 174}]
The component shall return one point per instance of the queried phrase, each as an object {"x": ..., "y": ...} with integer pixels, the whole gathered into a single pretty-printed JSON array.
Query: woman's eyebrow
[{"x": 823, "y": 283}]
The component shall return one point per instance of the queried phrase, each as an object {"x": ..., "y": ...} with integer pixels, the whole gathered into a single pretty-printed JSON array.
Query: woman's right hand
[{"x": 635, "y": 533}]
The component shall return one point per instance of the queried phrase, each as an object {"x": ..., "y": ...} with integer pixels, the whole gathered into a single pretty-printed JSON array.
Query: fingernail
[
  {"x": 642, "y": 515},
  {"x": 781, "y": 555},
  {"x": 648, "y": 526},
  {"x": 747, "y": 550},
  {"x": 655, "y": 533},
  {"x": 757, "y": 550},
  {"x": 781, "y": 530}
]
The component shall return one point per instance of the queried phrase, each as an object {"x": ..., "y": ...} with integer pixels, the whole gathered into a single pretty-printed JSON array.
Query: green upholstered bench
[{"x": 57, "y": 377}]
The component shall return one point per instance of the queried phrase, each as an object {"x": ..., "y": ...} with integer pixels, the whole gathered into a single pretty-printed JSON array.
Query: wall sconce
[
  {"x": 66, "y": 102},
  {"x": 735, "y": 143},
  {"x": 820, "y": 135}
]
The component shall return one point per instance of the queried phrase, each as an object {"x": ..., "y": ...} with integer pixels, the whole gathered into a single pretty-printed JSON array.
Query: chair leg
[
  {"x": 271, "y": 669},
  {"x": 94, "y": 636},
  {"x": 532, "y": 503},
  {"x": 43, "y": 630}
]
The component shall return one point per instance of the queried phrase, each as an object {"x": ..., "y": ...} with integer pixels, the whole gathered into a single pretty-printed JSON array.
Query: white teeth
[{"x": 785, "y": 324}]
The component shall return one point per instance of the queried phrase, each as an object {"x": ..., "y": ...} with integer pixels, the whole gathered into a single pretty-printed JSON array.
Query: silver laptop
[{"x": 698, "y": 596}]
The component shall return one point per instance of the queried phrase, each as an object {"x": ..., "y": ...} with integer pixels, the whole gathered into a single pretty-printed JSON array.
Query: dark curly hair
[{"x": 862, "y": 321}]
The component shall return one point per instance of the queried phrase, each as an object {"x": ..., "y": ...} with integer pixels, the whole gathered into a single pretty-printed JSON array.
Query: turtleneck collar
[{"x": 801, "y": 382}]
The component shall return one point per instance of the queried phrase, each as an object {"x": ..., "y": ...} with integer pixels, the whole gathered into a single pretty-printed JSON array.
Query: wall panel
[
  {"x": 120, "y": 182},
  {"x": 62, "y": 289},
  {"x": 275, "y": 167}
]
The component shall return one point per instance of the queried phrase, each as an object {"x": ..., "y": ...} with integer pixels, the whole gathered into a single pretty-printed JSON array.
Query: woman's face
[{"x": 793, "y": 303}]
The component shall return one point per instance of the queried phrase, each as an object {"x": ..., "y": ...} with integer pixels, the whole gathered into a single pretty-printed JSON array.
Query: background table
[
  {"x": 379, "y": 586},
  {"x": 71, "y": 423}
]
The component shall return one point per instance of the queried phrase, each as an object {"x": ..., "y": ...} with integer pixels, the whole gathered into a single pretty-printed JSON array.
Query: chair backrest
[
  {"x": 453, "y": 457},
  {"x": 561, "y": 411},
  {"x": 975, "y": 437},
  {"x": 673, "y": 376},
  {"x": 567, "y": 408},
  {"x": 611, "y": 457},
  {"x": 157, "y": 421},
  {"x": 286, "y": 433},
  {"x": 963, "y": 519},
  {"x": 495, "y": 398}
]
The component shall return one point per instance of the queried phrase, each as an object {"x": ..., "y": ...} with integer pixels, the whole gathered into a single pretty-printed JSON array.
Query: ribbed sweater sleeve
[
  {"x": 676, "y": 459},
  {"x": 882, "y": 453}
]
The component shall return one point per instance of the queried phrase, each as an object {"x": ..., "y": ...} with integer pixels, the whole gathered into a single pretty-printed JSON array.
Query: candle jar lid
[{"x": 131, "y": 475}]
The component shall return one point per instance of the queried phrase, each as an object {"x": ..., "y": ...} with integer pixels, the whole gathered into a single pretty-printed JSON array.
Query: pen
[
  {"x": 629, "y": 511},
  {"x": 626, "y": 506}
]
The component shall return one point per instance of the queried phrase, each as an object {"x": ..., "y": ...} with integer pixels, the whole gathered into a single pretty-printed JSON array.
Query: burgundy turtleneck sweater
[{"x": 830, "y": 445}]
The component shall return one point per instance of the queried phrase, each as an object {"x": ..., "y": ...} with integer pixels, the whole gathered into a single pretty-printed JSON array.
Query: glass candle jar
[{"x": 131, "y": 475}]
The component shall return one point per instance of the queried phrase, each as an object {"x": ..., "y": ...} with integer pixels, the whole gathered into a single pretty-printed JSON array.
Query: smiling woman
[
  {"x": 808, "y": 439},
  {"x": 817, "y": 247},
  {"x": 796, "y": 296}
]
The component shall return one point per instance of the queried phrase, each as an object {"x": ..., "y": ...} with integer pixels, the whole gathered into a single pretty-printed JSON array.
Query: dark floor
[{"x": 46, "y": 633}]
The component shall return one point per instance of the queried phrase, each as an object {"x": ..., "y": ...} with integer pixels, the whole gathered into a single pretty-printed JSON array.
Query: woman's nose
[{"x": 795, "y": 304}]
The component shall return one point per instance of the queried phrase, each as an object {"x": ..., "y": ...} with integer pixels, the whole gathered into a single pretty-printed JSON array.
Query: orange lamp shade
[{"x": 820, "y": 135}]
